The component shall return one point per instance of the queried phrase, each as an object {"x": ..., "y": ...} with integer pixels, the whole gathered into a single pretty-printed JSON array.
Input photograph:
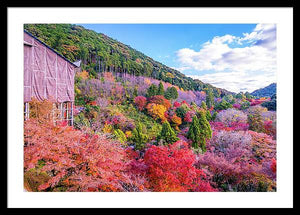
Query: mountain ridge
[{"x": 267, "y": 91}]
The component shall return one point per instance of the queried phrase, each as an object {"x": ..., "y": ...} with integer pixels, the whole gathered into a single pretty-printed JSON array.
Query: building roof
[
  {"x": 77, "y": 63},
  {"x": 74, "y": 64}
]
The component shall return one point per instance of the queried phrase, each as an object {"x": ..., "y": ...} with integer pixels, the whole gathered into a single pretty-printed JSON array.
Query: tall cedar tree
[
  {"x": 160, "y": 90},
  {"x": 208, "y": 114},
  {"x": 152, "y": 90},
  {"x": 199, "y": 131},
  {"x": 194, "y": 133},
  {"x": 205, "y": 129},
  {"x": 167, "y": 134},
  {"x": 209, "y": 98}
]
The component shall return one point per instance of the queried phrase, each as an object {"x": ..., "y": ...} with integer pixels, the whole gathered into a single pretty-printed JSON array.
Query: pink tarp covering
[{"x": 46, "y": 74}]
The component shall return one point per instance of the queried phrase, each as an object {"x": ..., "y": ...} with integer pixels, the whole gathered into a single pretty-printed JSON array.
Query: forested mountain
[
  {"x": 267, "y": 91},
  {"x": 100, "y": 53}
]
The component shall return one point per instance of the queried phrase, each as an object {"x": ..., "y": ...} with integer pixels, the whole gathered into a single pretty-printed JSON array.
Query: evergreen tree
[
  {"x": 208, "y": 115},
  {"x": 209, "y": 98},
  {"x": 171, "y": 93},
  {"x": 203, "y": 105},
  {"x": 199, "y": 131},
  {"x": 160, "y": 90},
  {"x": 194, "y": 133},
  {"x": 205, "y": 129},
  {"x": 213, "y": 117},
  {"x": 167, "y": 134},
  {"x": 152, "y": 90},
  {"x": 138, "y": 137}
]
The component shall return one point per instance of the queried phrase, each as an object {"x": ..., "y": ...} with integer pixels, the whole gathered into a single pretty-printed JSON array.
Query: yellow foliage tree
[{"x": 157, "y": 111}]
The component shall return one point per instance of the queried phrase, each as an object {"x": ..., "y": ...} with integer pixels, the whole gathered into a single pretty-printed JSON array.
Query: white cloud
[
  {"x": 256, "y": 61},
  {"x": 237, "y": 81}
]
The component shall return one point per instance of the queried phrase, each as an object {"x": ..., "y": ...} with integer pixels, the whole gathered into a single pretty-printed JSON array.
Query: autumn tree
[
  {"x": 161, "y": 100},
  {"x": 256, "y": 122},
  {"x": 171, "y": 169},
  {"x": 157, "y": 111},
  {"x": 176, "y": 121},
  {"x": 140, "y": 102}
]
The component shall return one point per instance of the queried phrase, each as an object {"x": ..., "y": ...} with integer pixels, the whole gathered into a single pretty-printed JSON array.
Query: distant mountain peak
[{"x": 267, "y": 91}]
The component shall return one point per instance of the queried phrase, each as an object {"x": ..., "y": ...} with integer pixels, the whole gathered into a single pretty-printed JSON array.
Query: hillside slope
[
  {"x": 267, "y": 91},
  {"x": 100, "y": 53}
]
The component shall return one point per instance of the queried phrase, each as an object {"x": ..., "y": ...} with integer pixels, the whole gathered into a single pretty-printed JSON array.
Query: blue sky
[{"x": 237, "y": 57}]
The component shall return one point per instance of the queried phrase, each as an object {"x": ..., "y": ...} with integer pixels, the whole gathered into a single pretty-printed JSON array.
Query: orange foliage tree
[
  {"x": 157, "y": 111},
  {"x": 161, "y": 100}
]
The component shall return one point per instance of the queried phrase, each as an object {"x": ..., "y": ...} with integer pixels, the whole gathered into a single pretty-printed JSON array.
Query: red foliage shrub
[
  {"x": 78, "y": 161},
  {"x": 176, "y": 104},
  {"x": 273, "y": 165},
  {"x": 270, "y": 128},
  {"x": 171, "y": 168},
  {"x": 140, "y": 102}
]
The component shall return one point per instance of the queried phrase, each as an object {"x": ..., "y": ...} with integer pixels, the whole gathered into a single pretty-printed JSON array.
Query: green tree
[
  {"x": 223, "y": 105},
  {"x": 213, "y": 117},
  {"x": 160, "y": 90},
  {"x": 209, "y": 98},
  {"x": 240, "y": 95},
  {"x": 208, "y": 115},
  {"x": 199, "y": 131},
  {"x": 194, "y": 133},
  {"x": 271, "y": 105},
  {"x": 138, "y": 137},
  {"x": 203, "y": 105},
  {"x": 229, "y": 98},
  {"x": 167, "y": 134},
  {"x": 182, "y": 110},
  {"x": 171, "y": 93},
  {"x": 152, "y": 90}
]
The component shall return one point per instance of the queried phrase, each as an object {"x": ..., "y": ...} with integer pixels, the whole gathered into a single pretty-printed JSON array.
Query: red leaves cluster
[
  {"x": 269, "y": 128},
  {"x": 171, "y": 168},
  {"x": 273, "y": 165},
  {"x": 140, "y": 102},
  {"x": 76, "y": 160}
]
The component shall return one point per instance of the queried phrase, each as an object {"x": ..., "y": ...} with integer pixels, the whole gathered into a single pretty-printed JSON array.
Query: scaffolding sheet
[{"x": 46, "y": 74}]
